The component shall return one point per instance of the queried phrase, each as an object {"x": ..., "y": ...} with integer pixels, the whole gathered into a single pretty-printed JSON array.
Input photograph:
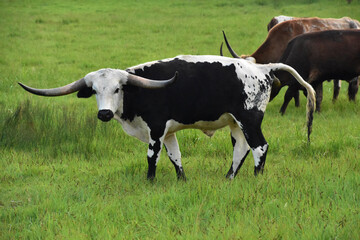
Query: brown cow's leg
[
  {"x": 319, "y": 96},
  {"x": 353, "y": 88},
  {"x": 337, "y": 85},
  {"x": 297, "y": 98},
  {"x": 289, "y": 94}
]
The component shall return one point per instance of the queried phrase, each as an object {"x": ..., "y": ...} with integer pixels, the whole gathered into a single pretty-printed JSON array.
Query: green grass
[{"x": 66, "y": 175}]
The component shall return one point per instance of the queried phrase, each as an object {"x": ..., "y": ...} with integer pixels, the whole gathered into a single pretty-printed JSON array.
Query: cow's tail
[{"x": 310, "y": 106}]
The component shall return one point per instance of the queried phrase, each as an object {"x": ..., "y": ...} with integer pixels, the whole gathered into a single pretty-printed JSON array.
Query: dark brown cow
[
  {"x": 318, "y": 56},
  {"x": 279, "y": 36},
  {"x": 353, "y": 84}
]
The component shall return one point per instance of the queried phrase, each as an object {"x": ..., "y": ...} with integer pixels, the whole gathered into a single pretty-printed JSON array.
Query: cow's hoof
[{"x": 258, "y": 170}]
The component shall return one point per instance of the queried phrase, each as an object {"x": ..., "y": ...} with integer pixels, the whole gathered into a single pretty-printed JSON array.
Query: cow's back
[
  {"x": 200, "y": 86},
  {"x": 279, "y": 36},
  {"x": 206, "y": 88},
  {"x": 334, "y": 54}
]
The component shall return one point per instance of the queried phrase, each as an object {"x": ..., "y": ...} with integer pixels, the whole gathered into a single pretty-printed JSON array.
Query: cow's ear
[{"x": 85, "y": 92}]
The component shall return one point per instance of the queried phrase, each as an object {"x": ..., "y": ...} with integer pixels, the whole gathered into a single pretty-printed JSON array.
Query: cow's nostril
[{"x": 105, "y": 115}]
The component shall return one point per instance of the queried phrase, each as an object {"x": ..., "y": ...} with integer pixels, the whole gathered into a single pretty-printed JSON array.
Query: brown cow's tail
[{"x": 310, "y": 106}]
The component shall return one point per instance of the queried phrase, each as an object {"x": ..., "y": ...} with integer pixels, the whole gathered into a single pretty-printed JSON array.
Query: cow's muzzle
[{"x": 105, "y": 115}]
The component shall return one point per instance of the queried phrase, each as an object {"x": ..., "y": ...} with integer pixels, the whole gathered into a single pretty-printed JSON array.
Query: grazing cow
[
  {"x": 318, "y": 56},
  {"x": 279, "y": 36},
  {"x": 208, "y": 93},
  {"x": 353, "y": 83}
]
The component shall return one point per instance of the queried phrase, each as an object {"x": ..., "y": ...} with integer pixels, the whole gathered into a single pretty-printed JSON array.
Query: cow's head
[{"x": 107, "y": 85}]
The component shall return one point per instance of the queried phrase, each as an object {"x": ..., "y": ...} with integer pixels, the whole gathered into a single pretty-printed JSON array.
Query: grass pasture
[{"x": 66, "y": 175}]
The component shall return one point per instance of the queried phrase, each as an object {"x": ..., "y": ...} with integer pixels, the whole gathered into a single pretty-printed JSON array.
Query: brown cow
[
  {"x": 279, "y": 36},
  {"x": 353, "y": 84},
  {"x": 318, "y": 56}
]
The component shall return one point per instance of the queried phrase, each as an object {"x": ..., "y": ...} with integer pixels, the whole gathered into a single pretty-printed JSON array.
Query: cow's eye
[{"x": 117, "y": 90}]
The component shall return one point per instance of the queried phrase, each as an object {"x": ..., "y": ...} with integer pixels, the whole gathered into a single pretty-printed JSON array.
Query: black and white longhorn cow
[{"x": 206, "y": 93}]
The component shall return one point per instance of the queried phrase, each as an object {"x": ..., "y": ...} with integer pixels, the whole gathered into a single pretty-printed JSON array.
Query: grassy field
[{"x": 66, "y": 175}]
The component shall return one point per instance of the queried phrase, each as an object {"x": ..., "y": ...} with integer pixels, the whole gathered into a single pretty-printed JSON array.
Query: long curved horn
[
  {"x": 233, "y": 53},
  {"x": 221, "y": 52},
  {"x": 147, "y": 83},
  {"x": 60, "y": 91}
]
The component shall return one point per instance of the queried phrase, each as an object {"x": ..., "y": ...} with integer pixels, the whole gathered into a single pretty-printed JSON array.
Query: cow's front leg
[
  {"x": 173, "y": 151},
  {"x": 241, "y": 150},
  {"x": 153, "y": 156}
]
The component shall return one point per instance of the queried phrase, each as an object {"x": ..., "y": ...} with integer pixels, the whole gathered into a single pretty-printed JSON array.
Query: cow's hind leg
[
  {"x": 250, "y": 122},
  {"x": 353, "y": 88},
  {"x": 259, "y": 154},
  {"x": 297, "y": 98},
  {"x": 319, "y": 96},
  {"x": 289, "y": 94},
  {"x": 337, "y": 86},
  {"x": 173, "y": 151},
  {"x": 241, "y": 150}
]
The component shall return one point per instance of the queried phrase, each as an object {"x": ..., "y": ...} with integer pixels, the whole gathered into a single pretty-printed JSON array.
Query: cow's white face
[{"x": 107, "y": 87}]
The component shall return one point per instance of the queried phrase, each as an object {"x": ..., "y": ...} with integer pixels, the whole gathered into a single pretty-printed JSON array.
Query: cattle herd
[
  {"x": 319, "y": 49},
  {"x": 154, "y": 100}
]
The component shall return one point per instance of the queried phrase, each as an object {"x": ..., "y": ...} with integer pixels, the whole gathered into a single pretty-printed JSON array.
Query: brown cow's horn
[
  {"x": 233, "y": 53},
  {"x": 60, "y": 91},
  {"x": 147, "y": 83}
]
